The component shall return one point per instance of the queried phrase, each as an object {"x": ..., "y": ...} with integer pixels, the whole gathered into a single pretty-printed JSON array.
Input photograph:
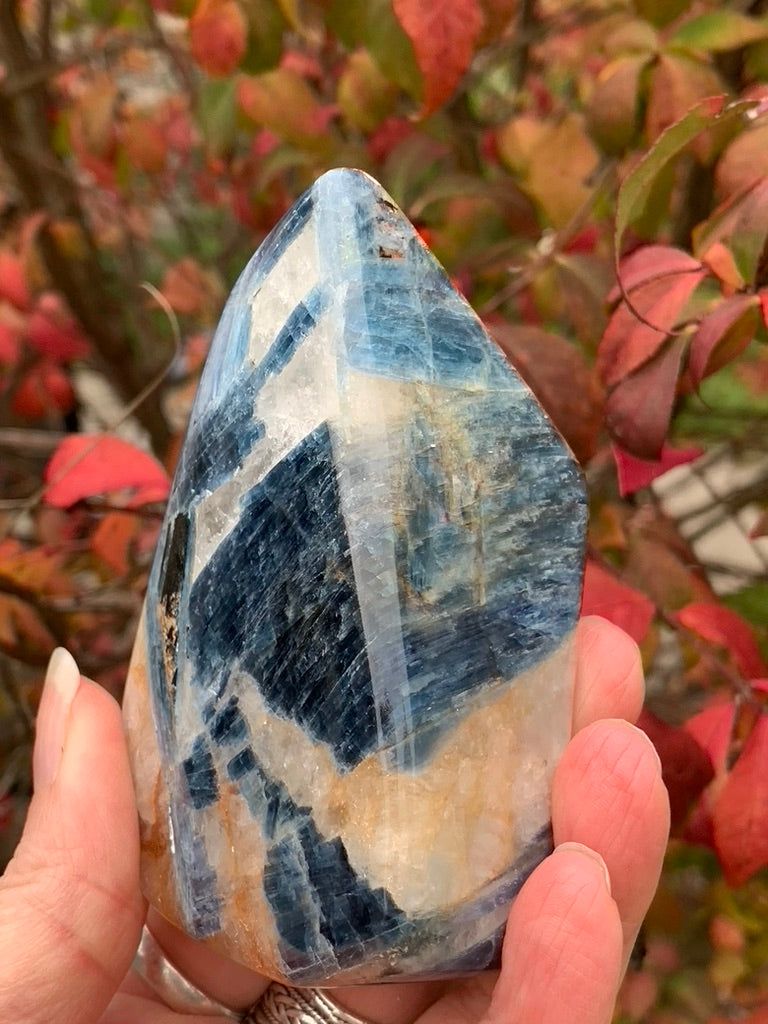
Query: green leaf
[
  {"x": 719, "y": 31},
  {"x": 217, "y": 114},
  {"x": 372, "y": 24},
  {"x": 660, "y": 12},
  {"x": 750, "y": 602},
  {"x": 266, "y": 25},
  {"x": 637, "y": 186}
]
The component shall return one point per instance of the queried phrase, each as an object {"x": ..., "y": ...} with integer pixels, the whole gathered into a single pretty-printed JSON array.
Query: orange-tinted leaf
[
  {"x": 722, "y": 335},
  {"x": 558, "y": 375},
  {"x": 111, "y": 540},
  {"x": 23, "y": 634},
  {"x": 614, "y": 107},
  {"x": 719, "y": 259},
  {"x": 726, "y": 628},
  {"x": 189, "y": 288},
  {"x": 740, "y": 816},
  {"x": 741, "y": 223},
  {"x": 366, "y": 97},
  {"x": 686, "y": 768},
  {"x": 281, "y": 101},
  {"x": 628, "y": 343},
  {"x": 92, "y": 122},
  {"x": 497, "y": 16},
  {"x": 218, "y": 36},
  {"x": 636, "y": 473},
  {"x": 638, "y": 410},
  {"x": 677, "y": 83},
  {"x": 561, "y": 187},
  {"x": 516, "y": 140},
  {"x": 146, "y": 143},
  {"x": 744, "y": 163},
  {"x": 444, "y": 36},
  {"x": 606, "y": 595},
  {"x": 85, "y": 465},
  {"x": 37, "y": 570}
]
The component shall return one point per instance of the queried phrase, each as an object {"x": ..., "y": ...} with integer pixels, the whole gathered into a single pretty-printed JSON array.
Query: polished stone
[{"x": 352, "y": 678}]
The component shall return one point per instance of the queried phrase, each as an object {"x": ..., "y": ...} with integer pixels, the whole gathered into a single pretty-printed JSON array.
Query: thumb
[{"x": 70, "y": 907}]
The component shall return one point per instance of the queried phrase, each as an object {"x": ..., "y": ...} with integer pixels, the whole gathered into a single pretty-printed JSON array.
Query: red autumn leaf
[
  {"x": 758, "y": 1016},
  {"x": 763, "y": 296},
  {"x": 712, "y": 729},
  {"x": 650, "y": 262},
  {"x": 606, "y": 595},
  {"x": 719, "y": 625},
  {"x": 13, "y": 282},
  {"x": 638, "y": 410},
  {"x": 54, "y": 332},
  {"x": 636, "y": 473},
  {"x": 722, "y": 335},
  {"x": 44, "y": 389},
  {"x": 388, "y": 136},
  {"x": 218, "y": 36},
  {"x": 84, "y": 465},
  {"x": 740, "y": 816},
  {"x": 685, "y": 767},
  {"x": 444, "y": 36},
  {"x": 628, "y": 342},
  {"x": 558, "y": 375},
  {"x": 10, "y": 345}
]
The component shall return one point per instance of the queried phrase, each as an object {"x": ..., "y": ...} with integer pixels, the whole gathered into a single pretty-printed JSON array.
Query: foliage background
[{"x": 593, "y": 175}]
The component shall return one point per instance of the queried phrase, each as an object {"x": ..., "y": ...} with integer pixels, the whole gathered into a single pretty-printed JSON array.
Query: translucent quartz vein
[{"x": 352, "y": 678}]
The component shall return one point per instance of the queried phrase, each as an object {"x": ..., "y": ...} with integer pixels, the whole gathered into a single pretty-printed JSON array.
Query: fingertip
[
  {"x": 608, "y": 794},
  {"x": 563, "y": 945},
  {"x": 609, "y": 673}
]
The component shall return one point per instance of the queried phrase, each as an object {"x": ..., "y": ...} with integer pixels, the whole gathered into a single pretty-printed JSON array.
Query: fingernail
[
  {"x": 586, "y": 852},
  {"x": 62, "y": 681}
]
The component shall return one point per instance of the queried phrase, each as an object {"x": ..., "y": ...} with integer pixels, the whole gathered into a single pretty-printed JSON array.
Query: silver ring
[
  {"x": 167, "y": 981},
  {"x": 282, "y": 1005}
]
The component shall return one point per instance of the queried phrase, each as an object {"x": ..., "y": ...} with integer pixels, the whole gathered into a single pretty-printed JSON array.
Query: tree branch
[{"x": 127, "y": 359}]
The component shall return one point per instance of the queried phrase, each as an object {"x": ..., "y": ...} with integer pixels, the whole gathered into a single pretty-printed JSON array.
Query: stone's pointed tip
[
  {"x": 363, "y": 596},
  {"x": 354, "y": 182}
]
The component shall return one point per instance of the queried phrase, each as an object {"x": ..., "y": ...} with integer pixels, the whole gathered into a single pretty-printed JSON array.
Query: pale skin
[{"x": 71, "y": 911}]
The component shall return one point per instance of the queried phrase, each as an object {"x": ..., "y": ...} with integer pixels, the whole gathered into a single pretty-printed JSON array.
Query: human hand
[{"x": 71, "y": 911}]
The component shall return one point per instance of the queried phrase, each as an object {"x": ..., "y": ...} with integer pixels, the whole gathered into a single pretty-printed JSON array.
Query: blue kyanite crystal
[{"x": 352, "y": 678}]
